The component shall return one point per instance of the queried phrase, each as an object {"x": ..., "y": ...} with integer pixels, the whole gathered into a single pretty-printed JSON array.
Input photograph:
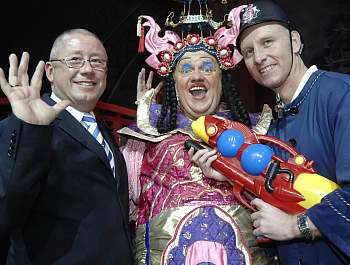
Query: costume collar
[
  {"x": 303, "y": 81},
  {"x": 293, "y": 107}
]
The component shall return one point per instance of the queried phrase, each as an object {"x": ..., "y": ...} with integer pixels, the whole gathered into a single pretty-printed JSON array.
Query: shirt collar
[{"x": 303, "y": 81}]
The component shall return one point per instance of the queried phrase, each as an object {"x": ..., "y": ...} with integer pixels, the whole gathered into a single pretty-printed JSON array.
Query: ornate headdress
[{"x": 167, "y": 50}]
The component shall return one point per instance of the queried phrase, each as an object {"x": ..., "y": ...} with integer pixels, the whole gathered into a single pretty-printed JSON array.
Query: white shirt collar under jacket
[{"x": 303, "y": 81}]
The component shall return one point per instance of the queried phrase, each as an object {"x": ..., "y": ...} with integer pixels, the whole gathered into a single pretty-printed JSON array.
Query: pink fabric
[
  {"x": 153, "y": 61},
  {"x": 166, "y": 174},
  {"x": 155, "y": 44},
  {"x": 206, "y": 251},
  {"x": 133, "y": 154},
  {"x": 229, "y": 36}
]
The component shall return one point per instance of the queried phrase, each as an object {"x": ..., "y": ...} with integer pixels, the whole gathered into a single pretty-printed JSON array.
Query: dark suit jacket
[{"x": 59, "y": 200}]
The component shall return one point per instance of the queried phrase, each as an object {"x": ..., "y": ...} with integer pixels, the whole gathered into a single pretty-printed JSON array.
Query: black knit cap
[{"x": 259, "y": 12}]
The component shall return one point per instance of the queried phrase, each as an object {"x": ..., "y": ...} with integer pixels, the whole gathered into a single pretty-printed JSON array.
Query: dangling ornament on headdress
[{"x": 167, "y": 50}]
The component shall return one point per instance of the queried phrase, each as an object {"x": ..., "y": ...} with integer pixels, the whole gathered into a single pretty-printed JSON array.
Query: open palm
[
  {"x": 143, "y": 86},
  {"x": 24, "y": 95}
]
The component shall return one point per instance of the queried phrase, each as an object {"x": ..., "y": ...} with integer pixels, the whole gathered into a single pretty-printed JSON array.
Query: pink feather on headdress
[
  {"x": 228, "y": 36},
  {"x": 155, "y": 44}
]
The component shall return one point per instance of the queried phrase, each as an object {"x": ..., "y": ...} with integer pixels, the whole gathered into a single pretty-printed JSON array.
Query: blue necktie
[{"x": 90, "y": 123}]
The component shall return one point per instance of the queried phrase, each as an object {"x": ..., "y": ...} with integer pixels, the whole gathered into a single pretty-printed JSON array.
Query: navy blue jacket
[
  {"x": 318, "y": 122},
  {"x": 59, "y": 201}
]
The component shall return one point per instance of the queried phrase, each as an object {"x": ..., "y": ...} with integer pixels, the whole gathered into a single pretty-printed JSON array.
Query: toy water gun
[{"x": 245, "y": 159}]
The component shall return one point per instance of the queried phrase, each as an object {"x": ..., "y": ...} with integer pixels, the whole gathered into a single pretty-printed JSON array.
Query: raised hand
[
  {"x": 24, "y": 94},
  {"x": 204, "y": 158},
  {"x": 143, "y": 86}
]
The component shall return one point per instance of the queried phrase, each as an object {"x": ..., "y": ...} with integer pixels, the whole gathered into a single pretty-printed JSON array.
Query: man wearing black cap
[{"x": 313, "y": 113}]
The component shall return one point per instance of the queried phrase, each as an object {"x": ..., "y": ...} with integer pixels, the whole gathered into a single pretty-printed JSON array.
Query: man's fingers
[
  {"x": 156, "y": 91},
  {"x": 198, "y": 155},
  {"x": 257, "y": 232},
  {"x": 158, "y": 88},
  {"x": 257, "y": 223},
  {"x": 255, "y": 216},
  {"x": 23, "y": 78},
  {"x": 38, "y": 76},
  {"x": 191, "y": 153},
  {"x": 13, "y": 70},
  {"x": 149, "y": 80},
  {"x": 211, "y": 159},
  {"x": 258, "y": 203},
  {"x": 141, "y": 80},
  {"x": 204, "y": 158},
  {"x": 5, "y": 87},
  {"x": 60, "y": 106}
]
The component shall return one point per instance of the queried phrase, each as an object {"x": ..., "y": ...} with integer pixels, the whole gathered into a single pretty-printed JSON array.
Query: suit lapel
[
  {"x": 71, "y": 126},
  {"x": 77, "y": 131}
]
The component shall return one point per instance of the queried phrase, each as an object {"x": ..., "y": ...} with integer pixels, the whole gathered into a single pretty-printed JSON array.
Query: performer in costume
[
  {"x": 314, "y": 116},
  {"x": 183, "y": 217}
]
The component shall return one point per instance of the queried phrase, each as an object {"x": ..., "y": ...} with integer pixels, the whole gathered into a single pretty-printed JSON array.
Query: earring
[
  {"x": 177, "y": 96},
  {"x": 301, "y": 49}
]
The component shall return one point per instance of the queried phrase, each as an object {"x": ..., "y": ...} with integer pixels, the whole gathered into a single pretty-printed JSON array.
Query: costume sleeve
[
  {"x": 24, "y": 159},
  {"x": 133, "y": 152},
  {"x": 332, "y": 215}
]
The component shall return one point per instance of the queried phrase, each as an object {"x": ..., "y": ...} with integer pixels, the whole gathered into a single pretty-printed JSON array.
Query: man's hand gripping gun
[{"x": 291, "y": 185}]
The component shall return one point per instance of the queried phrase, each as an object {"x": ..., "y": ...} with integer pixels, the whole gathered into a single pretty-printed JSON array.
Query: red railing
[{"x": 116, "y": 116}]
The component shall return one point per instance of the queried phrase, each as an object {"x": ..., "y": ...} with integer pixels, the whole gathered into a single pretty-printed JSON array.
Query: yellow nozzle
[
  {"x": 313, "y": 187},
  {"x": 198, "y": 127}
]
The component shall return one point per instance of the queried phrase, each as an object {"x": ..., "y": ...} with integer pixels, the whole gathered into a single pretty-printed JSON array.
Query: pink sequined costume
[{"x": 183, "y": 217}]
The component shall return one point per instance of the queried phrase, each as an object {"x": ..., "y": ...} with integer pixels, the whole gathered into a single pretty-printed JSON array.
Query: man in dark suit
[{"x": 63, "y": 187}]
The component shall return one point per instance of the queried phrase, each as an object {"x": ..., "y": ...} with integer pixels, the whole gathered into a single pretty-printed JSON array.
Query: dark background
[{"x": 33, "y": 25}]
